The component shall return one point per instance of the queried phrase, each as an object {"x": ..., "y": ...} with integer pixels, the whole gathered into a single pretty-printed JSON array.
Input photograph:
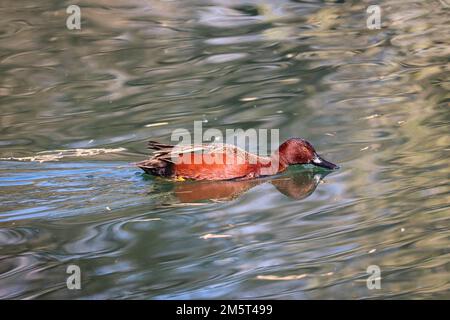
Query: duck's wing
[{"x": 167, "y": 152}]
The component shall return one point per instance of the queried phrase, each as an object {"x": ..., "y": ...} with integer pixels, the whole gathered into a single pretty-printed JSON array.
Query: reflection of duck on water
[{"x": 298, "y": 185}]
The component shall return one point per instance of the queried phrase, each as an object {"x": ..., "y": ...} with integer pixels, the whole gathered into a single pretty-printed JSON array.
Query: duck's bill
[{"x": 320, "y": 162}]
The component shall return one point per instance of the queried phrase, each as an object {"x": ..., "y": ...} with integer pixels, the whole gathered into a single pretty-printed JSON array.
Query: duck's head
[{"x": 300, "y": 151}]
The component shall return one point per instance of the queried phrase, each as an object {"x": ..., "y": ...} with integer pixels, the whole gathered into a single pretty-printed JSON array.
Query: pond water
[{"x": 77, "y": 107}]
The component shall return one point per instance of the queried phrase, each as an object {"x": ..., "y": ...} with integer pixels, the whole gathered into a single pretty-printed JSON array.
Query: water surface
[{"x": 77, "y": 108}]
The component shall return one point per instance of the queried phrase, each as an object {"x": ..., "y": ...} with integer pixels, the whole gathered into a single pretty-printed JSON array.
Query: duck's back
[{"x": 203, "y": 162}]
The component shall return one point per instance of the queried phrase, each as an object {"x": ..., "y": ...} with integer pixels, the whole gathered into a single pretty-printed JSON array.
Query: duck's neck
[{"x": 273, "y": 164}]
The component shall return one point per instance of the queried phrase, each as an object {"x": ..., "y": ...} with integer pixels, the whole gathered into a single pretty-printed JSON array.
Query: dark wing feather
[{"x": 155, "y": 145}]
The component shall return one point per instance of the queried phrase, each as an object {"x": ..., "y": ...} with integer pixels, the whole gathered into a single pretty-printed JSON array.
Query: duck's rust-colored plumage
[{"x": 225, "y": 162}]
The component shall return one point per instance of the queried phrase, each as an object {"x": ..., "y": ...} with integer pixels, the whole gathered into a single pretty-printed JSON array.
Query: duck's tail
[
  {"x": 159, "y": 164},
  {"x": 156, "y": 167}
]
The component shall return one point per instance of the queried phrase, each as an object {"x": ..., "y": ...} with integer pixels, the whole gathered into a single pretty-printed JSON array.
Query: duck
[{"x": 217, "y": 161}]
